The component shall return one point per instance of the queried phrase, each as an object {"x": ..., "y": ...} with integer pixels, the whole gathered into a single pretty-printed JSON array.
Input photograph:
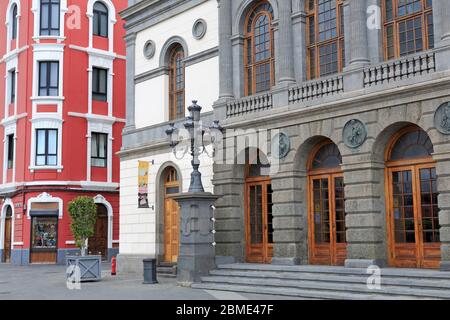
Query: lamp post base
[{"x": 197, "y": 253}]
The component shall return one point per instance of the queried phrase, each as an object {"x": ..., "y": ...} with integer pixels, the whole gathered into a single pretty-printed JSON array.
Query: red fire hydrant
[{"x": 113, "y": 266}]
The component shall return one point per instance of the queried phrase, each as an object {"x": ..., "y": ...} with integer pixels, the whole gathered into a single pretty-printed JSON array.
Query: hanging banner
[{"x": 144, "y": 167}]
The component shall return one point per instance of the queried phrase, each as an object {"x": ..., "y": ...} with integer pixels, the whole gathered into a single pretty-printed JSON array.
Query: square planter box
[{"x": 90, "y": 267}]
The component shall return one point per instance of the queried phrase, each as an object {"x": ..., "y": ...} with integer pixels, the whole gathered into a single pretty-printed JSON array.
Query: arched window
[
  {"x": 14, "y": 22},
  {"x": 414, "y": 144},
  {"x": 327, "y": 157},
  {"x": 100, "y": 19},
  {"x": 408, "y": 27},
  {"x": 325, "y": 40},
  {"x": 258, "y": 49},
  {"x": 176, "y": 83}
]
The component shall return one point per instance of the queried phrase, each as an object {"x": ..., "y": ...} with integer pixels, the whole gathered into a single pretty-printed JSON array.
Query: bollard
[
  {"x": 113, "y": 266},
  {"x": 150, "y": 271}
]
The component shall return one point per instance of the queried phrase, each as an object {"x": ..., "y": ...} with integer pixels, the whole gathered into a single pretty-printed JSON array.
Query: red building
[{"x": 62, "y": 88}]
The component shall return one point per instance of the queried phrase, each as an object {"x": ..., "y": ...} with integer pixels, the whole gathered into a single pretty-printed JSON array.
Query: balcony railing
[
  {"x": 316, "y": 89},
  {"x": 249, "y": 104},
  {"x": 399, "y": 69}
]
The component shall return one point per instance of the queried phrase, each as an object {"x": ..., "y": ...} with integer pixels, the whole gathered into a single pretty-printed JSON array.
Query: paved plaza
[{"x": 45, "y": 282}]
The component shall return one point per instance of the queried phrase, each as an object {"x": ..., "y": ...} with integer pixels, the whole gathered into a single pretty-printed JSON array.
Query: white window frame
[
  {"x": 10, "y": 65},
  {"x": 100, "y": 61},
  {"x": 8, "y": 23},
  {"x": 48, "y": 52},
  {"x": 100, "y": 125},
  {"x": 9, "y": 129},
  {"x": 36, "y": 8},
  {"x": 111, "y": 22},
  {"x": 46, "y": 122}
]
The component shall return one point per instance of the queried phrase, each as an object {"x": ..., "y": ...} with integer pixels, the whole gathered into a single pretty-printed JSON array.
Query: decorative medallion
[
  {"x": 442, "y": 118},
  {"x": 282, "y": 143},
  {"x": 199, "y": 29},
  {"x": 354, "y": 133},
  {"x": 149, "y": 49}
]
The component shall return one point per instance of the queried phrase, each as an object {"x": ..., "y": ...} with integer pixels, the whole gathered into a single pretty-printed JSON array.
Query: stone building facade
[{"x": 359, "y": 105}]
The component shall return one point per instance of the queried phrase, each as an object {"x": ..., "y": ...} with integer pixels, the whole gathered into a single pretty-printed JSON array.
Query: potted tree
[{"x": 83, "y": 213}]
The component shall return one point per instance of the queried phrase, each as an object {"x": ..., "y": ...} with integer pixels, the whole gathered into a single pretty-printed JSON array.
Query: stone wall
[{"x": 363, "y": 169}]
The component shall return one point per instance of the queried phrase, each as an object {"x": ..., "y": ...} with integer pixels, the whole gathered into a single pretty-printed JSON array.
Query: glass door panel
[
  {"x": 429, "y": 205},
  {"x": 321, "y": 211},
  {"x": 404, "y": 219}
]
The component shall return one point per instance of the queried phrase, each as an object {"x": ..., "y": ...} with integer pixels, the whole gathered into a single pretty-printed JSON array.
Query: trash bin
[{"x": 150, "y": 271}]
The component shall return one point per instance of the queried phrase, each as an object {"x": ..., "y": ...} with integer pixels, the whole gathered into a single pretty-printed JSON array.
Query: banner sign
[{"x": 144, "y": 167}]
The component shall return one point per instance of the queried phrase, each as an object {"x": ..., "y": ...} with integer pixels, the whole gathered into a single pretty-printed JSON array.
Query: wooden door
[
  {"x": 44, "y": 239},
  {"x": 171, "y": 217},
  {"x": 8, "y": 240},
  {"x": 98, "y": 244},
  {"x": 327, "y": 232},
  {"x": 413, "y": 216},
  {"x": 259, "y": 229}
]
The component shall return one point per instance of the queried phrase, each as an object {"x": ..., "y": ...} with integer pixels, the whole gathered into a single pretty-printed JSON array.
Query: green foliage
[{"x": 83, "y": 212}]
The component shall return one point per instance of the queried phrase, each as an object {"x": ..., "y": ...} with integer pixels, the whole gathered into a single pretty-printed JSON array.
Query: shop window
[{"x": 44, "y": 232}]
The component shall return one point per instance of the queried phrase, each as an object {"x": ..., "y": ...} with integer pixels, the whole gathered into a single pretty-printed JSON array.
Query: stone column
[
  {"x": 375, "y": 32},
  {"x": 299, "y": 29},
  {"x": 355, "y": 21},
  {"x": 225, "y": 51},
  {"x": 229, "y": 213},
  {"x": 443, "y": 184},
  {"x": 359, "y": 53},
  {"x": 285, "y": 44},
  {"x": 290, "y": 234},
  {"x": 130, "y": 85},
  {"x": 441, "y": 16},
  {"x": 365, "y": 218}
]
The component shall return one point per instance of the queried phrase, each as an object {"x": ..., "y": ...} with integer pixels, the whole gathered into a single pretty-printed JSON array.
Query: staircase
[
  {"x": 323, "y": 282},
  {"x": 166, "y": 270}
]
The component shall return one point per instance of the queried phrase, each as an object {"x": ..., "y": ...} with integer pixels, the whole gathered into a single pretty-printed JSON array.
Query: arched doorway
[
  {"x": 171, "y": 216},
  {"x": 7, "y": 241},
  {"x": 98, "y": 244},
  {"x": 326, "y": 206},
  {"x": 411, "y": 198},
  {"x": 258, "y": 212}
]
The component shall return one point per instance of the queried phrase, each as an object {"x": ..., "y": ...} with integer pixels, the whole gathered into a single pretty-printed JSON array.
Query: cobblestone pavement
[{"x": 46, "y": 282}]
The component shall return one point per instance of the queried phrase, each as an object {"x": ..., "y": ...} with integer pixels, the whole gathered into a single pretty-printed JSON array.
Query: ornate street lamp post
[
  {"x": 196, "y": 134},
  {"x": 196, "y": 255}
]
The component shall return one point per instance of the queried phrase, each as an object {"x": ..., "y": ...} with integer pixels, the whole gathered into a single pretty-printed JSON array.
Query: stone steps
[
  {"x": 322, "y": 282},
  {"x": 356, "y": 279},
  {"x": 293, "y": 292},
  {"x": 166, "y": 270}
]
